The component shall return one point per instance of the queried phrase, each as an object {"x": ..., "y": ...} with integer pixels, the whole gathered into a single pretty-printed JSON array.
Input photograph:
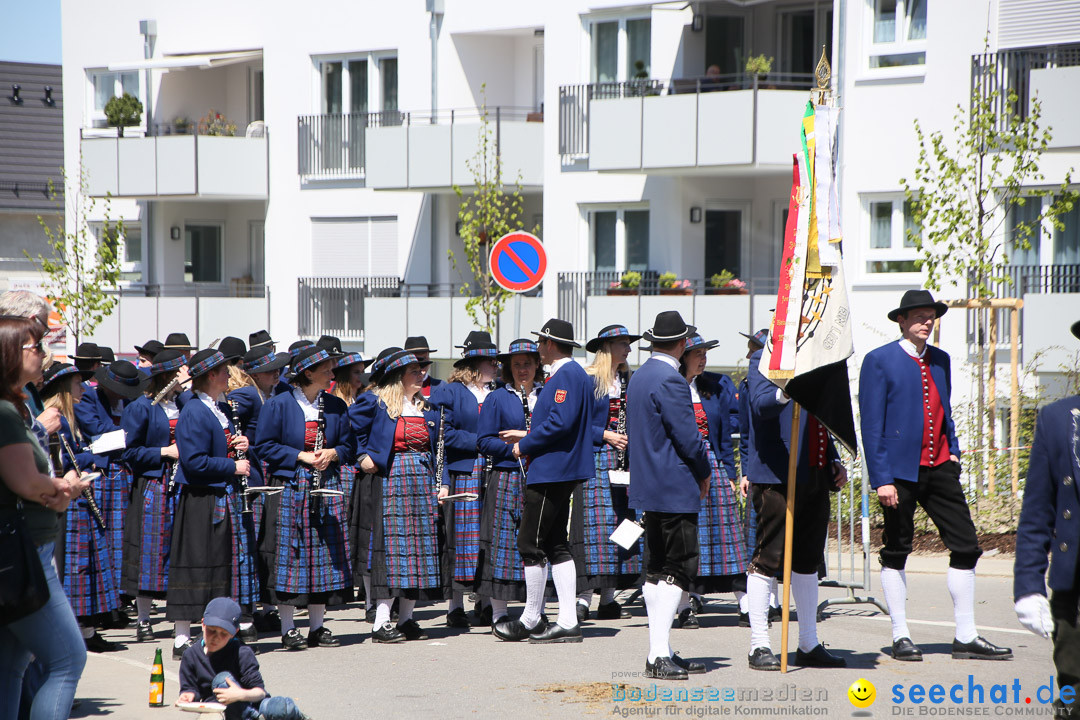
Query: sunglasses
[{"x": 39, "y": 346}]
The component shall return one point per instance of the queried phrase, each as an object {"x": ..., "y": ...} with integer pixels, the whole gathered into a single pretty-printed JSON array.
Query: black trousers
[
  {"x": 671, "y": 546},
  {"x": 1064, "y": 608},
  {"x": 941, "y": 496},
  {"x": 811, "y": 525},
  {"x": 544, "y": 519}
]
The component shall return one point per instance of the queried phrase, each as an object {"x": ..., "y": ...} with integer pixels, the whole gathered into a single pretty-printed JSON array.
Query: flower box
[
  {"x": 622, "y": 291},
  {"x": 676, "y": 291},
  {"x": 726, "y": 291}
]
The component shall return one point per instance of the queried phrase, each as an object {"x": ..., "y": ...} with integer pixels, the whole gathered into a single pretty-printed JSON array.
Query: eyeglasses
[{"x": 39, "y": 347}]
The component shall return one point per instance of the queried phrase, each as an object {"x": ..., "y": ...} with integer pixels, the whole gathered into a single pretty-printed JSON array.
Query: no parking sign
[{"x": 518, "y": 261}]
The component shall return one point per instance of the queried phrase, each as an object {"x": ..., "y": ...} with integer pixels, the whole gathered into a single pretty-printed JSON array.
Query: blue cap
[{"x": 224, "y": 613}]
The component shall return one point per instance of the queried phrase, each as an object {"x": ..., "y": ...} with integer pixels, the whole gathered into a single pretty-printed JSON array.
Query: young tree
[
  {"x": 965, "y": 186},
  {"x": 486, "y": 214},
  {"x": 84, "y": 266}
]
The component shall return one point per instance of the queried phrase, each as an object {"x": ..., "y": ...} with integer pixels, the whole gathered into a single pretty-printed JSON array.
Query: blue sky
[{"x": 31, "y": 31}]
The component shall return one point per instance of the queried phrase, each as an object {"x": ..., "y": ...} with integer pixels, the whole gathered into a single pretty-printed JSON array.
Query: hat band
[
  {"x": 526, "y": 347},
  {"x": 662, "y": 338},
  {"x": 62, "y": 373},
  {"x": 350, "y": 359},
  {"x": 311, "y": 360},
  {"x": 206, "y": 364},
  {"x": 402, "y": 362},
  {"x": 480, "y": 352},
  {"x": 174, "y": 364},
  {"x": 131, "y": 382},
  {"x": 257, "y": 363},
  {"x": 617, "y": 332}
]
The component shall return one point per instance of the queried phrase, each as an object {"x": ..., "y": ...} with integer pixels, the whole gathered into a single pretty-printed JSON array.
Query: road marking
[
  {"x": 935, "y": 623},
  {"x": 169, "y": 675}
]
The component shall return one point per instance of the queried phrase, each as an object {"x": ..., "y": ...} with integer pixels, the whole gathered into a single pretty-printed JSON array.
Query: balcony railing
[
  {"x": 574, "y": 99},
  {"x": 1008, "y": 70},
  {"x": 332, "y": 146}
]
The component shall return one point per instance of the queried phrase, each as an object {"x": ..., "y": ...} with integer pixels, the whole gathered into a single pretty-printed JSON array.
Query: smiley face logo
[{"x": 862, "y": 693}]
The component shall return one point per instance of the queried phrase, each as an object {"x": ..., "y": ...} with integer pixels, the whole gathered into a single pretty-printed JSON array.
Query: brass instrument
[
  {"x": 88, "y": 493},
  {"x": 241, "y": 455},
  {"x": 317, "y": 490}
]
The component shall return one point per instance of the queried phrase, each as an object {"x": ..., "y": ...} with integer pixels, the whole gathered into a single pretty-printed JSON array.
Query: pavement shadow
[
  {"x": 93, "y": 707},
  {"x": 855, "y": 660},
  {"x": 927, "y": 649}
]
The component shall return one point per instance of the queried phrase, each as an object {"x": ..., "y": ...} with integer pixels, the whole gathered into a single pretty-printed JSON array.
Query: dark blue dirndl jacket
[
  {"x": 204, "y": 456},
  {"x": 92, "y": 414},
  {"x": 281, "y": 433},
  {"x": 380, "y": 447},
  {"x": 744, "y": 427},
  {"x": 84, "y": 459},
  {"x": 147, "y": 430},
  {"x": 718, "y": 411},
  {"x": 461, "y": 415},
  {"x": 502, "y": 411},
  {"x": 560, "y": 440},
  {"x": 361, "y": 415}
]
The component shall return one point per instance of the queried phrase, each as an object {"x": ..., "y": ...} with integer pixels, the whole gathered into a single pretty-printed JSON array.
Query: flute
[
  {"x": 241, "y": 455},
  {"x": 87, "y": 493}
]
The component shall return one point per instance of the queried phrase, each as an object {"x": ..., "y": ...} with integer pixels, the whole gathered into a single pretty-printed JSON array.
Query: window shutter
[
  {"x": 384, "y": 246},
  {"x": 339, "y": 247},
  {"x": 1036, "y": 23}
]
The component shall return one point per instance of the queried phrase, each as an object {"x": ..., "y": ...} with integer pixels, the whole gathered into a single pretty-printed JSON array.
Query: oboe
[
  {"x": 320, "y": 438},
  {"x": 439, "y": 453},
  {"x": 88, "y": 493},
  {"x": 241, "y": 455}
]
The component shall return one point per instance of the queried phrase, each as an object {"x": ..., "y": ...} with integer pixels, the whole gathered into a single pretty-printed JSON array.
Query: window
[
  {"x": 356, "y": 246},
  {"x": 388, "y": 68},
  {"x": 1026, "y": 214},
  {"x": 128, "y": 245},
  {"x": 202, "y": 253},
  {"x": 802, "y": 34},
  {"x": 890, "y": 249},
  {"x": 357, "y": 83},
  {"x": 255, "y": 104},
  {"x": 104, "y": 86},
  {"x": 723, "y": 242},
  {"x": 1067, "y": 241},
  {"x": 639, "y": 48},
  {"x": 725, "y": 43},
  {"x": 620, "y": 240},
  {"x": 621, "y": 49},
  {"x": 897, "y": 33},
  {"x": 605, "y": 39}
]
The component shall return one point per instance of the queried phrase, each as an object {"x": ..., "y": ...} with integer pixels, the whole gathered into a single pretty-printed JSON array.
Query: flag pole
[{"x": 789, "y": 527}]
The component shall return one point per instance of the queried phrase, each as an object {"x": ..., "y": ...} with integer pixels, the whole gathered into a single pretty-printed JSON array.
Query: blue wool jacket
[
  {"x": 281, "y": 433},
  {"x": 718, "y": 411},
  {"x": 361, "y": 415},
  {"x": 601, "y": 417},
  {"x": 147, "y": 430},
  {"x": 892, "y": 414},
  {"x": 94, "y": 419},
  {"x": 669, "y": 456},
  {"x": 502, "y": 411},
  {"x": 461, "y": 416},
  {"x": 744, "y": 428},
  {"x": 380, "y": 447},
  {"x": 204, "y": 456},
  {"x": 84, "y": 459},
  {"x": 560, "y": 441}
]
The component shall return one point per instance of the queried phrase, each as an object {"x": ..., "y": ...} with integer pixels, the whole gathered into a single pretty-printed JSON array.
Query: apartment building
[{"x": 323, "y": 197}]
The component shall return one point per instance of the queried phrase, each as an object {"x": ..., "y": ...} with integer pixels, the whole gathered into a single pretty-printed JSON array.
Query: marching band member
[
  {"x": 261, "y": 339},
  {"x": 501, "y": 574},
  {"x": 87, "y": 358},
  {"x": 146, "y": 352},
  {"x": 913, "y": 457},
  {"x": 349, "y": 381},
  {"x": 85, "y": 563},
  {"x": 669, "y": 475},
  {"x": 418, "y": 346},
  {"x": 407, "y": 561},
  {"x": 179, "y": 341},
  {"x": 599, "y": 506},
  {"x": 460, "y": 400},
  {"x": 150, "y": 426},
  {"x": 304, "y": 436},
  {"x": 559, "y": 448},
  {"x": 721, "y": 541},
  {"x": 212, "y": 551}
]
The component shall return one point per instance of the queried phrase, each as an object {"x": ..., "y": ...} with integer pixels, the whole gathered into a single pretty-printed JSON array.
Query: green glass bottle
[{"x": 157, "y": 682}]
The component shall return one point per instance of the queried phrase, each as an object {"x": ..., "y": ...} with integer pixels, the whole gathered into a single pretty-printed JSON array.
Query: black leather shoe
[
  {"x": 322, "y": 637},
  {"x": 512, "y": 630},
  {"x": 979, "y": 649},
  {"x": 268, "y": 621},
  {"x": 412, "y": 630},
  {"x": 777, "y": 614},
  {"x": 114, "y": 620},
  {"x": 904, "y": 649},
  {"x": 611, "y": 611},
  {"x": 664, "y": 668},
  {"x": 369, "y": 614},
  {"x": 387, "y": 634},
  {"x": 97, "y": 644},
  {"x": 178, "y": 652},
  {"x": 582, "y": 613},
  {"x": 692, "y": 668},
  {"x": 143, "y": 632},
  {"x": 744, "y": 619},
  {"x": 457, "y": 618},
  {"x": 687, "y": 620},
  {"x": 556, "y": 633},
  {"x": 696, "y": 605},
  {"x": 481, "y": 618},
  {"x": 819, "y": 657},
  {"x": 248, "y": 634},
  {"x": 763, "y": 659},
  {"x": 293, "y": 640}
]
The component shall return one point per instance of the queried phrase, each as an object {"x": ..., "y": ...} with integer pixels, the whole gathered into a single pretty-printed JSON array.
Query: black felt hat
[
  {"x": 87, "y": 351},
  {"x": 204, "y": 361},
  {"x": 166, "y": 361},
  {"x": 759, "y": 338},
  {"x": 263, "y": 359},
  {"x": 122, "y": 378},
  {"x": 914, "y": 299},
  {"x": 418, "y": 343},
  {"x": 260, "y": 338},
  {"x": 611, "y": 332},
  {"x": 558, "y": 330},
  {"x": 150, "y": 348},
  {"x": 669, "y": 326},
  {"x": 55, "y": 372},
  {"x": 107, "y": 354},
  {"x": 233, "y": 348},
  {"x": 178, "y": 341},
  {"x": 331, "y": 344}
]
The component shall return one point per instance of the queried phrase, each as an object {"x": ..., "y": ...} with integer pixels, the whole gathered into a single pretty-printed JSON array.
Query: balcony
[
  {"x": 163, "y": 165},
  {"x": 1052, "y": 74},
  {"x": 381, "y": 311},
  {"x": 726, "y": 121}
]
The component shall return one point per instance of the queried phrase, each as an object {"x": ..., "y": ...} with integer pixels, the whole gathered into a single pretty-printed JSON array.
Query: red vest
[{"x": 935, "y": 445}]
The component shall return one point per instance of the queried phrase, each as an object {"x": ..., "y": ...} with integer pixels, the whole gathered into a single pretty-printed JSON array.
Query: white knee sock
[
  {"x": 585, "y": 598},
  {"x": 662, "y": 608},
  {"x": 316, "y": 614},
  {"x": 894, "y": 586},
  {"x": 740, "y": 599},
  {"x": 498, "y": 610},
  {"x": 962, "y": 588},
  {"x": 142, "y": 605},
  {"x": 774, "y": 593},
  {"x": 607, "y": 596},
  {"x": 88, "y": 632},
  {"x": 405, "y": 610},
  {"x": 804, "y": 586},
  {"x": 564, "y": 575},
  {"x": 535, "y": 582},
  {"x": 182, "y": 630},
  {"x": 382, "y": 611},
  {"x": 757, "y": 603},
  {"x": 457, "y": 600},
  {"x": 684, "y": 601},
  {"x": 288, "y": 621},
  {"x": 368, "y": 600}
]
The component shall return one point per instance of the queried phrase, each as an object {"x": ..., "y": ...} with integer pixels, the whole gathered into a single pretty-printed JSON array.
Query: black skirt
[
  {"x": 200, "y": 566},
  {"x": 361, "y": 512}
]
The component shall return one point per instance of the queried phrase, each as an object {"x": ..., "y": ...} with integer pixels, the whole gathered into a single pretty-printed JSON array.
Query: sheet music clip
[
  {"x": 619, "y": 477},
  {"x": 627, "y": 534}
]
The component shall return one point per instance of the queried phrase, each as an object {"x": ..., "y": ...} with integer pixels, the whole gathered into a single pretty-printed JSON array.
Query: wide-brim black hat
[
  {"x": 178, "y": 341},
  {"x": 558, "y": 330},
  {"x": 611, "y": 332},
  {"x": 307, "y": 358},
  {"x": 395, "y": 361},
  {"x": 150, "y": 348},
  {"x": 1076, "y": 329},
  {"x": 87, "y": 351},
  {"x": 914, "y": 299},
  {"x": 204, "y": 361},
  {"x": 696, "y": 341},
  {"x": 300, "y": 345},
  {"x": 331, "y": 344},
  {"x": 260, "y": 338},
  {"x": 59, "y": 370},
  {"x": 263, "y": 359},
  {"x": 107, "y": 354},
  {"x": 233, "y": 348},
  {"x": 669, "y": 326},
  {"x": 418, "y": 343},
  {"x": 166, "y": 361},
  {"x": 122, "y": 378},
  {"x": 521, "y": 346},
  {"x": 758, "y": 338}
]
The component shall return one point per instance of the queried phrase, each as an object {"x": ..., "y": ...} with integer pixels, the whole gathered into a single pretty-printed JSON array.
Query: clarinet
[
  {"x": 440, "y": 453},
  {"x": 528, "y": 424},
  {"x": 240, "y": 455},
  {"x": 87, "y": 493},
  {"x": 620, "y": 424},
  {"x": 489, "y": 461},
  {"x": 320, "y": 439}
]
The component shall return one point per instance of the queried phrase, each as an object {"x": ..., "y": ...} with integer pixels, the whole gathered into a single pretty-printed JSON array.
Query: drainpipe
[
  {"x": 148, "y": 29},
  {"x": 436, "y": 8}
]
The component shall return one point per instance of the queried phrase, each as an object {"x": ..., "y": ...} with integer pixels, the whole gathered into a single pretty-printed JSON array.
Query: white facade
[{"x": 663, "y": 174}]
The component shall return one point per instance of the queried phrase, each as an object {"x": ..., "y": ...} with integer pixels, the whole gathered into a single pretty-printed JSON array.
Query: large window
[
  {"x": 127, "y": 241},
  {"x": 1067, "y": 241},
  {"x": 803, "y": 32},
  {"x": 355, "y": 83},
  {"x": 1025, "y": 215},
  {"x": 890, "y": 250},
  {"x": 203, "y": 253},
  {"x": 725, "y": 43},
  {"x": 104, "y": 86},
  {"x": 723, "y": 242},
  {"x": 620, "y": 240},
  {"x": 621, "y": 49},
  {"x": 897, "y": 32}
]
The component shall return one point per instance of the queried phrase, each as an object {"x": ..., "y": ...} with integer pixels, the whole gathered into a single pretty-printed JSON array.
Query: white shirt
[
  {"x": 554, "y": 367},
  {"x": 409, "y": 409},
  {"x": 311, "y": 413},
  {"x": 695, "y": 396},
  {"x": 479, "y": 392},
  {"x": 909, "y": 348},
  {"x": 614, "y": 390},
  {"x": 171, "y": 411},
  {"x": 664, "y": 357},
  {"x": 532, "y": 395},
  {"x": 209, "y": 402}
]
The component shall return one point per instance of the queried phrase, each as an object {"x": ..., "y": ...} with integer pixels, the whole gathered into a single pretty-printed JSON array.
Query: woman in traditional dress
[
  {"x": 460, "y": 399},
  {"x": 150, "y": 426},
  {"x": 407, "y": 559},
  {"x": 213, "y": 540},
  {"x": 599, "y": 505},
  {"x": 349, "y": 381},
  {"x": 304, "y": 437},
  {"x": 503, "y": 421}
]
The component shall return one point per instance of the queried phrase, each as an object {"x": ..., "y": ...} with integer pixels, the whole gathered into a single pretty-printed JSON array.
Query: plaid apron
[
  {"x": 312, "y": 537},
  {"x": 721, "y": 541},
  {"x": 155, "y": 535},
  {"x": 88, "y": 576},
  {"x": 603, "y": 508},
  {"x": 410, "y": 513},
  {"x": 467, "y": 523},
  {"x": 505, "y": 491},
  {"x": 116, "y": 484},
  {"x": 244, "y": 589}
]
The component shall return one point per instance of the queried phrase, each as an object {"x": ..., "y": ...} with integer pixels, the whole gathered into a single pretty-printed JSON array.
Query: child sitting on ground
[{"x": 222, "y": 669}]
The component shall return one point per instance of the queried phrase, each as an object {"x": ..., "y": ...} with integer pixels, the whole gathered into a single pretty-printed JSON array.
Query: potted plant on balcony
[
  {"x": 628, "y": 284},
  {"x": 671, "y": 285},
  {"x": 214, "y": 123},
  {"x": 123, "y": 111},
  {"x": 181, "y": 125},
  {"x": 725, "y": 283},
  {"x": 759, "y": 66}
]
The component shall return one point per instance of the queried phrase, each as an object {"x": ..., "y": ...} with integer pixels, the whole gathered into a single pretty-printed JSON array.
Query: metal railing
[
  {"x": 234, "y": 289},
  {"x": 1007, "y": 70},
  {"x": 223, "y": 128},
  {"x": 574, "y": 99},
  {"x": 1021, "y": 280},
  {"x": 333, "y": 146}
]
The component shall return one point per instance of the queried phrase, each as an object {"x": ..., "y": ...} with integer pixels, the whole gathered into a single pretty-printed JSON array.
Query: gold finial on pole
[{"x": 823, "y": 74}]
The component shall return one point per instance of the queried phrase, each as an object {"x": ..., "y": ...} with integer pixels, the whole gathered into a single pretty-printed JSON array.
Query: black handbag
[{"x": 23, "y": 588}]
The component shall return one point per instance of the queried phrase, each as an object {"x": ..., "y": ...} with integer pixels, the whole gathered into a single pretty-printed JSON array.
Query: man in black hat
[
  {"x": 147, "y": 351},
  {"x": 913, "y": 457},
  {"x": 559, "y": 452},
  {"x": 87, "y": 357},
  {"x": 233, "y": 348},
  {"x": 418, "y": 346},
  {"x": 259, "y": 339},
  {"x": 179, "y": 341},
  {"x": 669, "y": 475}
]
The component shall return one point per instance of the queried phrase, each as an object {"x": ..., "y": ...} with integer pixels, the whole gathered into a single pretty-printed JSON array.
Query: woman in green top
[{"x": 51, "y": 633}]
